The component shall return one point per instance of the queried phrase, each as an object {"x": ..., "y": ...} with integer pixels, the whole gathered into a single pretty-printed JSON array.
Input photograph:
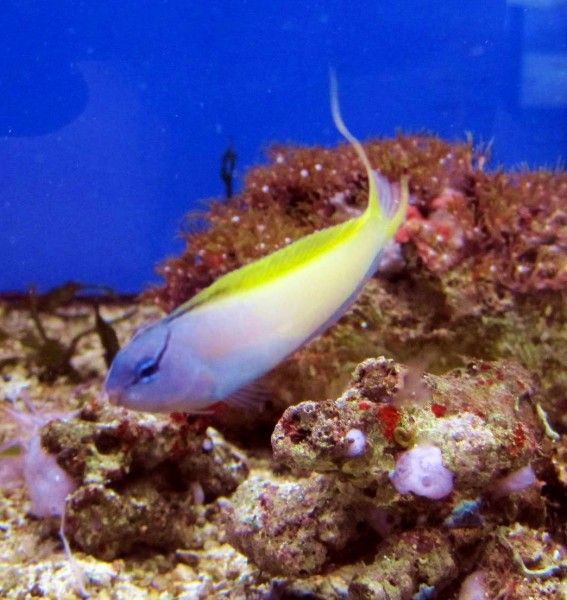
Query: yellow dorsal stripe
[{"x": 275, "y": 265}]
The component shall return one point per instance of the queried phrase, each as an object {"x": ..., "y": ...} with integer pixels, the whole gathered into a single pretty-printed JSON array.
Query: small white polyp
[
  {"x": 421, "y": 471},
  {"x": 356, "y": 441}
]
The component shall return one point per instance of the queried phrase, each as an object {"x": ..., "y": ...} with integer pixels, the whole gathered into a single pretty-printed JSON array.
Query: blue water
[{"x": 114, "y": 115}]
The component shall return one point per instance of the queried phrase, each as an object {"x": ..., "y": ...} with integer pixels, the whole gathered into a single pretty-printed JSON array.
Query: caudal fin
[{"x": 394, "y": 201}]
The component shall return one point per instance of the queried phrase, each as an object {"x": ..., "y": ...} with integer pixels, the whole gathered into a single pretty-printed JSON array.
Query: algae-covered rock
[
  {"x": 481, "y": 417},
  {"x": 481, "y": 420},
  {"x": 522, "y": 562},
  {"x": 419, "y": 561},
  {"x": 291, "y": 526},
  {"x": 139, "y": 477},
  {"x": 107, "y": 523}
]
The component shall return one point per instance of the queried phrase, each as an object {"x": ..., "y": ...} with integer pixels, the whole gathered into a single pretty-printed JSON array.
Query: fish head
[{"x": 152, "y": 374}]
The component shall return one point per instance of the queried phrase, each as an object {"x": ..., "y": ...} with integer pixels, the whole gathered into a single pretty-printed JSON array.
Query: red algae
[
  {"x": 389, "y": 417},
  {"x": 438, "y": 410}
]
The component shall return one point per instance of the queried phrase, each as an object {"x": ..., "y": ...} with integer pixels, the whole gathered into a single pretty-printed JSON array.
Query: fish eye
[{"x": 147, "y": 370}]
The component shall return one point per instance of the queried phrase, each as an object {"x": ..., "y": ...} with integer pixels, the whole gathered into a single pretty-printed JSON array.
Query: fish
[{"x": 218, "y": 344}]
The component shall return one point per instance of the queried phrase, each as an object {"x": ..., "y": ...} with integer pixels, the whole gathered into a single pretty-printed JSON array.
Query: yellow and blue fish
[{"x": 214, "y": 346}]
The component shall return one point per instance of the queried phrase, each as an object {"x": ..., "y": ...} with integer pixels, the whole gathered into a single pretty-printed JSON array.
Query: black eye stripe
[{"x": 148, "y": 368}]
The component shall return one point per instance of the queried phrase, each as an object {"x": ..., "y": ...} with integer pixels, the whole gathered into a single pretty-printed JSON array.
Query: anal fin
[{"x": 250, "y": 397}]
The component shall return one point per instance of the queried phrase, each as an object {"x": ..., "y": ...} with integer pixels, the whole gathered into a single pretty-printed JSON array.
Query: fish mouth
[
  {"x": 111, "y": 389},
  {"x": 113, "y": 397}
]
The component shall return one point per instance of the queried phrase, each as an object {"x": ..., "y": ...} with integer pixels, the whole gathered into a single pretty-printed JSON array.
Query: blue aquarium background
[{"x": 114, "y": 116}]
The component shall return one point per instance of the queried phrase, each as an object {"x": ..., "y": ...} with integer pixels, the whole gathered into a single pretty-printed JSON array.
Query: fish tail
[
  {"x": 394, "y": 201},
  {"x": 387, "y": 202}
]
